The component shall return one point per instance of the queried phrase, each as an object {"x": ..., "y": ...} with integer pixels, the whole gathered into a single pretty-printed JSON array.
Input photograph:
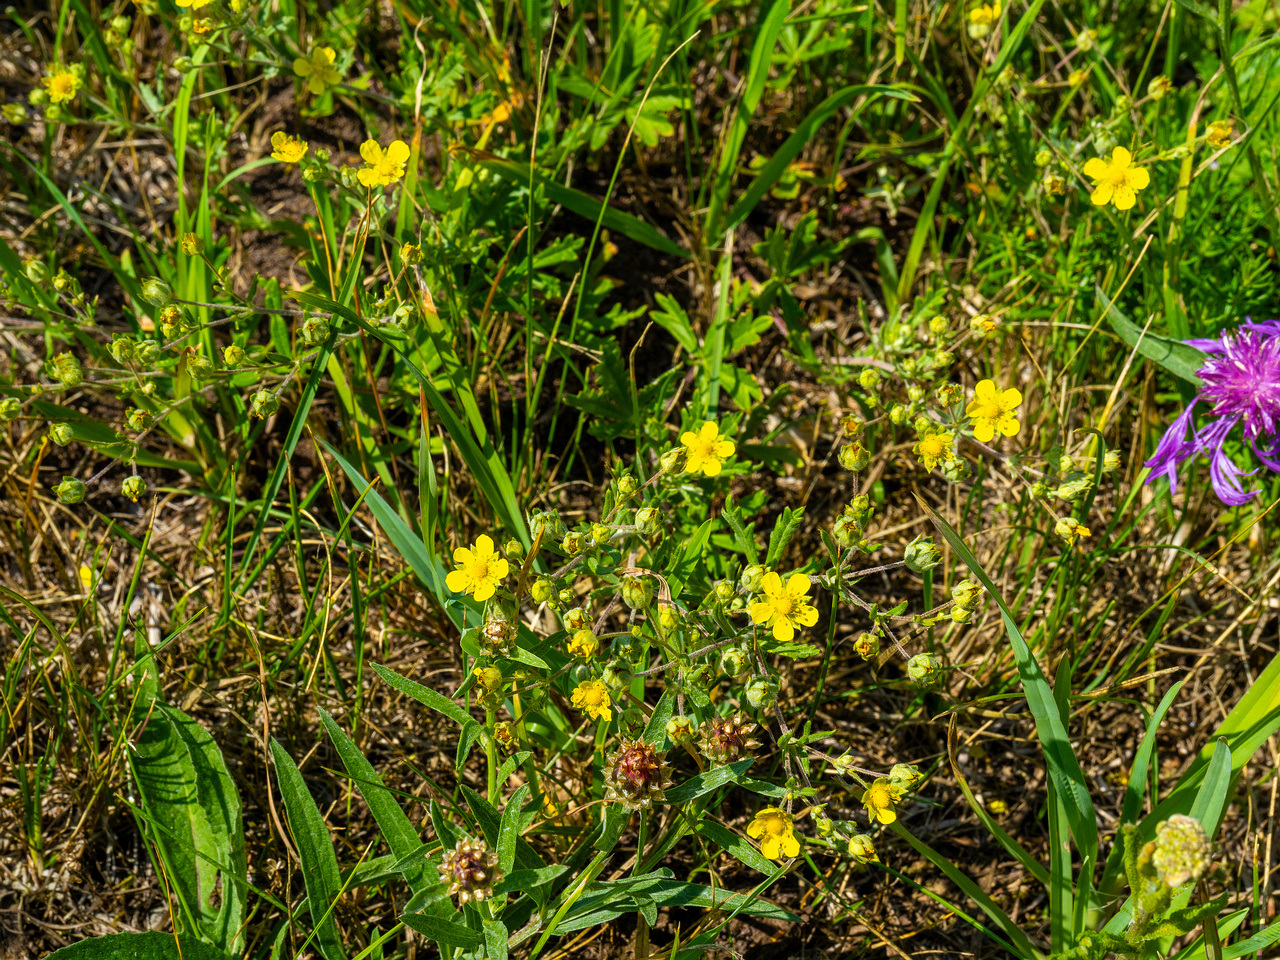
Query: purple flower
[{"x": 1241, "y": 383}]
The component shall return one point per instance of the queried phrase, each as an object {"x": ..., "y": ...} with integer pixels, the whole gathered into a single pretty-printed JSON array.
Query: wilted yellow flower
[
  {"x": 592, "y": 698},
  {"x": 480, "y": 570},
  {"x": 772, "y": 826},
  {"x": 936, "y": 447},
  {"x": 982, "y": 18},
  {"x": 1219, "y": 134},
  {"x": 705, "y": 450},
  {"x": 488, "y": 677},
  {"x": 880, "y": 798},
  {"x": 318, "y": 70},
  {"x": 1116, "y": 180},
  {"x": 783, "y": 607},
  {"x": 992, "y": 410},
  {"x": 384, "y": 166},
  {"x": 583, "y": 644},
  {"x": 411, "y": 253},
  {"x": 1077, "y": 77},
  {"x": 984, "y": 325},
  {"x": 286, "y": 149},
  {"x": 63, "y": 83},
  {"x": 1070, "y": 529}
]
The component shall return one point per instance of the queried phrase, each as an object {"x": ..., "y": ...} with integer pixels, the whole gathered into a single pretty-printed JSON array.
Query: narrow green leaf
[
  {"x": 509, "y": 828},
  {"x": 446, "y": 933},
  {"x": 495, "y": 940},
  {"x": 425, "y": 695},
  {"x": 1211, "y": 799},
  {"x": 716, "y": 777},
  {"x": 735, "y": 846},
  {"x": 1137, "y": 787},
  {"x": 1180, "y": 359}
]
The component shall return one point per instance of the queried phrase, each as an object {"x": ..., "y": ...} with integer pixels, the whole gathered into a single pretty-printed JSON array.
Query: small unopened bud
[
  {"x": 1159, "y": 87},
  {"x": 147, "y": 352},
  {"x": 647, "y": 520},
  {"x": 411, "y": 254},
  {"x": 734, "y": 661},
  {"x": 546, "y": 524},
  {"x": 670, "y": 460},
  {"x": 70, "y": 490},
  {"x": 66, "y": 370},
  {"x": 234, "y": 356},
  {"x": 133, "y": 488},
  {"x": 122, "y": 348},
  {"x": 637, "y": 592},
  {"x": 36, "y": 270},
  {"x": 565, "y": 595},
  {"x": 314, "y": 331},
  {"x": 489, "y": 678},
  {"x": 668, "y": 617},
  {"x": 264, "y": 404},
  {"x": 680, "y": 729},
  {"x": 627, "y": 485},
  {"x": 862, "y": 849},
  {"x": 923, "y": 669},
  {"x": 10, "y": 409},
  {"x": 137, "y": 420},
  {"x": 192, "y": 244},
  {"x": 573, "y": 543},
  {"x": 617, "y": 674},
  {"x": 848, "y": 529},
  {"x": 867, "y": 646},
  {"x": 852, "y": 426},
  {"x": 961, "y": 614},
  {"x": 898, "y": 413},
  {"x": 156, "y": 292},
  {"x": 922, "y": 554},
  {"x": 200, "y": 367},
  {"x": 762, "y": 692},
  {"x": 752, "y": 577},
  {"x": 938, "y": 326},
  {"x": 61, "y": 434},
  {"x": 905, "y": 775},
  {"x": 854, "y": 456},
  {"x": 966, "y": 593},
  {"x": 600, "y": 533},
  {"x": 1111, "y": 461},
  {"x": 724, "y": 591},
  {"x": 543, "y": 590}
]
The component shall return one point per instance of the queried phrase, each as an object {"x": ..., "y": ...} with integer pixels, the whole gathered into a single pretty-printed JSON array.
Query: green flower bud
[
  {"x": 648, "y": 521},
  {"x": 1182, "y": 850},
  {"x": 70, "y": 490},
  {"x": 869, "y": 378},
  {"x": 156, "y": 292},
  {"x": 898, "y": 413},
  {"x": 264, "y": 404},
  {"x": 411, "y": 254},
  {"x": 862, "y": 849},
  {"x": 133, "y": 488},
  {"x": 191, "y": 244},
  {"x": 751, "y": 578},
  {"x": 1043, "y": 156},
  {"x": 637, "y": 592},
  {"x": 867, "y": 646},
  {"x": 632, "y": 721},
  {"x": 600, "y": 533},
  {"x": 1159, "y": 87},
  {"x": 938, "y": 326},
  {"x": 545, "y": 524},
  {"x": 147, "y": 352},
  {"x": 627, "y": 485},
  {"x": 734, "y": 661},
  {"x": 966, "y": 593},
  {"x": 823, "y": 824},
  {"x": 234, "y": 356},
  {"x": 62, "y": 281},
  {"x": 852, "y": 426},
  {"x": 922, "y": 554},
  {"x": 915, "y": 393},
  {"x": 314, "y": 331},
  {"x": 122, "y": 348},
  {"x": 670, "y": 461},
  {"x": 200, "y": 367},
  {"x": 762, "y": 692},
  {"x": 138, "y": 420},
  {"x": 60, "y": 433},
  {"x": 1040, "y": 490},
  {"x": 847, "y": 529},
  {"x": 680, "y": 729},
  {"x": 923, "y": 669},
  {"x": 617, "y": 674},
  {"x": 573, "y": 543},
  {"x": 543, "y": 590},
  {"x": 854, "y": 456},
  {"x": 15, "y": 113},
  {"x": 962, "y": 614},
  {"x": 905, "y": 775},
  {"x": 36, "y": 270},
  {"x": 10, "y": 408},
  {"x": 577, "y": 619},
  {"x": 514, "y": 551},
  {"x": 725, "y": 592},
  {"x": 565, "y": 595},
  {"x": 66, "y": 370}
]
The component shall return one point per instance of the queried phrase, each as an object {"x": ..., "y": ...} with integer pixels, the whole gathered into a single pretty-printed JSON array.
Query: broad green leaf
[
  {"x": 495, "y": 940},
  {"x": 444, "y": 932},
  {"x": 1211, "y": 798},
  {"x": 152, "y": 945},
  {"x": 315, "y": 849},
  {"x": 1180, "y": 359},
  {"x": 509, "y": 828},
  {"x": 735, "y": 845}
]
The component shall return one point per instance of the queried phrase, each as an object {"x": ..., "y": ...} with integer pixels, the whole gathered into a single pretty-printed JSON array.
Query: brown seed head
[
  {"x": 635, "y": 775},
  {"x": 726, "y": 739},
  {"x": 470, "y": 870}
]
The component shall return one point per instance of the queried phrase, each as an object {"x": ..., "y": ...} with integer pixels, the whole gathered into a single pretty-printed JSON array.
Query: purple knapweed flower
[{"x": 1241, "y": 383}]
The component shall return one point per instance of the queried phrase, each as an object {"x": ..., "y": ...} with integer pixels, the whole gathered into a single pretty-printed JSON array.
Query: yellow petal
[
  {"x": 806, "y": 616},
  {"x": 725, "y": 449},
  {"x": 709, "y": 431},
  {"x": 326, "y": 54},
  {"x": 370, "y": 152},
  {"x": 1139, "y": 178},
  {"x": 711, "y": 467},
  {"x": 790, "y": 845},
  {"x": 1124, "y": 196},
  {"x": 279, "y": 138},
  {"x": 771, "y": 584},
  {"x": 484, "y": 589},
  {"x": 1120, "y": 159},
  {"x": 688, "y": 438},
  {"x": 1009, "y": 426},
  {"x": 498, "y": 569},
  {"x": 1102, "y": 196},
  {"x": 302, "y": 67},
  {"x": 984, "y": 430},
  {"x": 886, "y": 815},
  {"x": 1096, "y": 169},
  {"x": 769, "y": 846},
  {"x": 398, "y": 151},
  {"x": 985, "y": 389},
  {"x": 368, "y": 176},
  {"x": 797, "y": 585},
  {"x": 316, "y": 84},
  {"x": 484, "y": 546},
  {"x": 782, "y": 630},
  {"x": 1010, "y": 398},
  {"x": 761, "y": 612},
  {"x": 755, "y": 828},
  {"x": 462, "y": 555},
  {"x": 457, "y": 581}
]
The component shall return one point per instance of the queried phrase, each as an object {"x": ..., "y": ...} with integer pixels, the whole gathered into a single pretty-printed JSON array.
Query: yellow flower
[
  {"x": 583, "y": 644},
  {"x": 982, "y": 18},
  {"x": 318, "y": 70},
  {"x": 1077, "y": 78},
  {"x": 1219, "y": 134},
  {"x": 193, "y": 4},
  {"x": 1116, "y": 180},
  {"x": 592, "y": 698},
  {"x": 784, "y": 607},
  {"x": 992, "y": 410},
  {"x": 1070, "y": 529},
  {"x": 63, "y": 83},
  {"x": 488, "y": 677},
  {"x": 934, "y": 448},
  {"x": 880, "y": 798},
  {"x": 984, "y": 325},
  {"x": 479, "y": 570},
  {"x": 706, "y": 452},
  {"x": 286, "y": 149},
  {"x": 773, "y": 828},
  {"x": 998, "y": 807},
  {"x": 384, "y": 167}
]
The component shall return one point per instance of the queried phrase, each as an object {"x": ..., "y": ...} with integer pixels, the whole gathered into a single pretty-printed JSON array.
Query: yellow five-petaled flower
[
  {"x": 384, "y": 166},
  {"x": 982, "y": 18},
  {"x": 783, "y": 607},
  {"x": 63, "y": 83},
  {"x": 705, "y": 451},
  {"x": 936, "y": 447},
  {"x": 318, "y": 70},
  {"x": 880, "y": 798},
  {"x": 592, "y": 698},
  {"x": 286, "y": 149},
  {"x": 480, "y": 570},
  {"x": 773, "y": 828},
  {"x": 1116, "y": 180},
  {"x": 992, "y": 410}
]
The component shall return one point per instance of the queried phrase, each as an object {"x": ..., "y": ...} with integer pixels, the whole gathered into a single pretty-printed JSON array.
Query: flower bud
[
  {"x": 147, "y": 352},
  {"x": 680, "y": 729},
  {"x": 923, "y": 669},
  {"x": 1159, "y": 87},
  {"x": 1043, "y": 156},
  {"x": 70, "y": 490},
  {"x": 668, "y": 617},
  {"x": 617, "y": 674},
  {"x": 489, "y": 678},
  {"x": 133, "y": 487},
  {"x": 637, "y": 592},
  {"x": 191, "y": 244},
  {"x": 573, "y": 543},
  {"x": 62, "y": 281},
  {"x": 36, "y": 270},
  {"x": 583, "y": 643},
  {"x": 852, "y": 426},
  {"x": 314, "y": 331},
  {"x": 862, "y": 849},
  {"x": 600, "y": 533},
  {"x": 905, "y": 775},
  {"x": 961, "y": 614},
  {"x": 577, "y": 619},
  {"x": 66, "y": 370},
  {"x": 264, "y": 404},
  {"x": 734, "y": 661},
  {"x": 938, "y": 326},
  {"x": 867, "y": 646},
  {"x": 752, "y": 577},
  {"x": 898, "y": 413},
  {"x": 10, "y": 408},
  {"x": 670, "y": 460},
  {"x": 966, "y": 593},
  {"x": 627, "y": 485},
  {"x": 545, "y": 524},
  {"x": 647, "y": 520},
  {"x": 922, "y": 554},
  {"x": 565, "y": 595},
  {"x": 156, "y": 292},
  {"x": 234, "y": 356},
  {"x": 762, "y": 692},
  {"x": 869, "y": 378},
  {"x": 411, "y": 254},
  {"x": 725, "y": 592},
  {"x": 200, "y": 367},
  {"x": 847, "y": 529},
  {"x": 1181, "y": 850},
  {"x": 61, "y": 434},
  {"x": 122, "y": 348},
  {"x": 137, "y": 420},
  {"x": 543, "y": 590},
  {"x": 15, "y": 113},
  {"x": 1040, "y": 490},
  {"x": 854, "y": 456},
  {"x": 915, "y": 393}
]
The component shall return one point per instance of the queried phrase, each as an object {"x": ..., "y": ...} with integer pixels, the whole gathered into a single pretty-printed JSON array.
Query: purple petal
[{"x": 1173, "y": 448}]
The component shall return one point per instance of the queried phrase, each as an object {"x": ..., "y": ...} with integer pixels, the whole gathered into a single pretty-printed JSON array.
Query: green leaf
[
  {"x": 1061, "y": 760},
  {"x": 1202, "y": 9},
  {"x": 716, "y": 777},
  {"x": 152, "y": 945},
  {"x": 1255, "y": 944},
  {"x": 1211, "y": 799},
  {"x": 425, "y": 695},
  {"x": 655, "y": 731},
  {"x": 1180, "y": 359},
  {"x": 1137, "y": 787},
  {"x": 526, "y": 858},
  {"x": 509, "y": 828},
  {"x": 495, "y": 940},
  {"x": 315, "y": 849},
  {"x": 393, "y": 823},
  {"x": 783, "y": 531},
  {"x": 444, "y": 932},
  {"x": 194, "y": 812}
]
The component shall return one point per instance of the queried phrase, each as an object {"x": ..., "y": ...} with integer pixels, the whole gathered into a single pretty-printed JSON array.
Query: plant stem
[{"x": 491, "y": 753}]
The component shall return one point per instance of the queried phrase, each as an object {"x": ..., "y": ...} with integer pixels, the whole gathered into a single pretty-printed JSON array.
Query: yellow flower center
[
  {"x": 933, "y": 446},
  {"x": 593, "y": 695},
  {"x": 775, "y": 824},
  {"x": 782, "y": 604},
  {"x": 703, "y": 449},
  {"x": 477, "y": 569},
  {"x": 879, "y": 795},
  {"x": 62, "y": 87}
]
